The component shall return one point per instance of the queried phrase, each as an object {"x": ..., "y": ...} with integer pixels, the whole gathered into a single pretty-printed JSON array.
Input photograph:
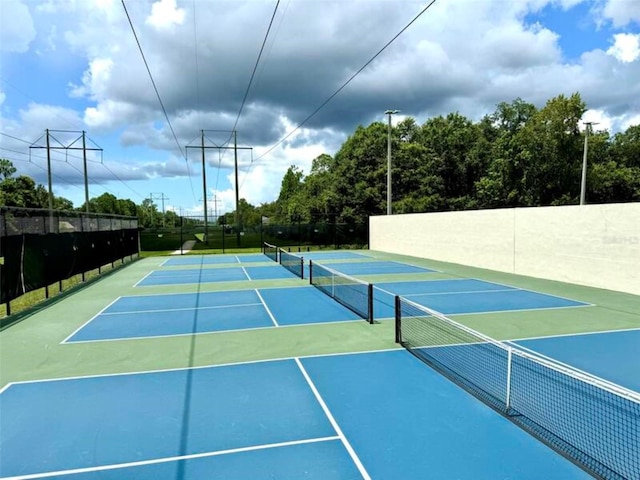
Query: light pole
[
  {"x": 389, "y": 113},
  {"x": 583, "y": 183}
]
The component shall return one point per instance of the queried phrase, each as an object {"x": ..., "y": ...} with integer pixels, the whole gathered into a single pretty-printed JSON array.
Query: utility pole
[
  {"x": 214, "y": 200},
  {"x": 389, "y": 113},
  {"x": 162, "y": 198},
  {"x": 50, "y": 183},
  {"x": 583, "y": 183},
  {"x": 204, "y": 189},
  {"x": 86, "y": 176},
  {"x": 66, "y": 147},
  {"x": 235, "y": 155},
  {"x": 235, "y": 147}
]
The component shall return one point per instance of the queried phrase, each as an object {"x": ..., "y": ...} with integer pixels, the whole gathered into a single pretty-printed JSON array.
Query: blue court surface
[
  {"x": 612, "y": 356},
  {"x": 215, "y": 274},
  {"x": 381, "y": 415},
  {"x": 214, "y": 259},
  {"x": 464, "y": 296},
  {"x": 375, "y": 268},
  {"x": 187, "y": 313},
  {"x": 321, "y": 256}
]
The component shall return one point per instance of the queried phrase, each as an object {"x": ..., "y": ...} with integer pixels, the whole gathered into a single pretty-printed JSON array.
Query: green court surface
[{"x": 31, "y": 349}]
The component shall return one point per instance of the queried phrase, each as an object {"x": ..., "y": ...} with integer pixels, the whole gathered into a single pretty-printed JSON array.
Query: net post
[
  {"x": 302, "y": 268},
  {"x": 370, "y": 302},
  {"x": 398, "y": 319},
  {"x": 507, "y": 400},
  {"x": 310, "y": 272}
]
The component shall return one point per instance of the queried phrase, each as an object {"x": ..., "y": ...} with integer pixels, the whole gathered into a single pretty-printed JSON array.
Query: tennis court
[
  {"x": 191, "y": 313},
  {"x": 277, "y": 419},
  {"x": 213, "y": 274},
  {"x": 213, "y": 259},
  {"x": 198, "y": 379}
]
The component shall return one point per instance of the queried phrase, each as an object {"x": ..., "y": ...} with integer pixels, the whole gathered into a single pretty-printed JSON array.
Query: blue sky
[{"x": 74, "y": 65}]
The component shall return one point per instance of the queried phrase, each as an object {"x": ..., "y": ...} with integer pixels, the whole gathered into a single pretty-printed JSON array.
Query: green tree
[{"x": 6, "y": 168}]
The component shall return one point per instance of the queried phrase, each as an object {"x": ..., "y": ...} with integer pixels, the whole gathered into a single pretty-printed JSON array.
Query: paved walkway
[{"x": 186, "y": 246}]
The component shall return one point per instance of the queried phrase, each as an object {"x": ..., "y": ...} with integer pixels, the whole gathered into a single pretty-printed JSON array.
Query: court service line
[
  {"x": 575, "y": 334},
  {"x": 201, "y": 367},
  {"x": 273, "y": 319},
  {"x": 534, "y": 291},
  {"x": 89, "y": 321},
  {"x": 245, "y": 272},
  {"x": 156, "y": 461},
  {"x": 517, "y": 310},
  {"x": 461, "y": 292},
  {"x": 213, "y": 332},
  {"x": 333, "y": 422},
  {"x": 143, "y": 278},
  {"x": 187, "y": 309}
]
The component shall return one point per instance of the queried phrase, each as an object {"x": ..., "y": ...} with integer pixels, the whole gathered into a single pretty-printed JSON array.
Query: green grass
[{"x": 43, "y": 296}]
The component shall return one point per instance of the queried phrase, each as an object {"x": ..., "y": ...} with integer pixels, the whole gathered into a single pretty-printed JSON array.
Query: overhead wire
[
  {"x": 246, "y": 93},
  {"x": 155, "y": 88},
  {"x": 101, "y": 185},
  {"x": 342, "y": 87}
]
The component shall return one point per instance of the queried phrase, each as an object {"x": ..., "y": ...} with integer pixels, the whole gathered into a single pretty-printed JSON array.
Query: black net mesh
[
  {"x": 350, "y": 292},
  {"x": 270, "y": 251},
  {"x": 293, "y": 263},
  {"x": 592, "y": 422}
]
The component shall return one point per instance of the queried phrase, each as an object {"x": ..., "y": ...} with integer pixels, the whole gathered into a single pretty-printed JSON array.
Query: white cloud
[
  {"x": 626, "y": 47},
  {"x": 165, "y": 14},
  {"x": 599, "y": 119},
  {"x": 622, "y": 12},
  {"x": 16, "y": 27}
]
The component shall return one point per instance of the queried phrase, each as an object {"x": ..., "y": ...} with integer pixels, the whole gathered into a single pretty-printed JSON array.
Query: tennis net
[
  {"x": 270, "y": 251},
  {"x": 293, "y": 263},
  {"x": 354, "y": 294},
  {"x": 593, "y": 422}
]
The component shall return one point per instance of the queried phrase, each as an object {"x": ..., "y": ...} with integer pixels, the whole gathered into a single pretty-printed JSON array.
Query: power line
[
  {"x": 334, "y": 94},
  {"x": 246, "y": 93},
  {"x": 122, "y": 181},
  {"x": 155, "y": 88},
  {"x": 255, "y": 67},
  {"x": 71, "y": 165}
]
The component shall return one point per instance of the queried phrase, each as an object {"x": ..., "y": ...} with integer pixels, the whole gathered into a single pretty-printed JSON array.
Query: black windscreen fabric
[{"x": 33, "y": 261}]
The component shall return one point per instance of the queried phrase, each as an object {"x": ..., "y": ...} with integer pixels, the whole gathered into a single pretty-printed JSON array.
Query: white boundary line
[
  {"x": 170, "y": 459},
  {"x": 278, "y": 359},
  {"x": 461, "y": 292},
  {"x": 143, "y": 278},
  {"x": 182, "y": 309},
  {"x": 206, "y": 292},
  {"x": 333, "y": 422},
  {"x": 178, "y": 369},
  {"x": 264, "y": 304},
  {"x": 332, "y": 266},
  {"x": 245, "y": 272},
  {"x": 88, "y": 321},
  {"x": 533, "y": 309},
  {"x": 213, "y": 332},
  {"x": 560, "y": 335},
  {"x": 535, "y": 291}
]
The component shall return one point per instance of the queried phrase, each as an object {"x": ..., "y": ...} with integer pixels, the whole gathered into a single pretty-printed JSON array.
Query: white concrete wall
[{"x": 595, "y": 245}]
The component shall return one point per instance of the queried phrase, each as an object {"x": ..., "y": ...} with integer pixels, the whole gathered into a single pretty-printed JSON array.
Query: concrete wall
[{"x": 596, "y": 245}]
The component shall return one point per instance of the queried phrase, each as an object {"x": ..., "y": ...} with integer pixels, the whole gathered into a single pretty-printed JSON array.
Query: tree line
[{"x": 517, "y": 156}]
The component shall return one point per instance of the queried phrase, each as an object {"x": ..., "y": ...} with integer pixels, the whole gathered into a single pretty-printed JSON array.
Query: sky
[{"x": 74, "y": 65}]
